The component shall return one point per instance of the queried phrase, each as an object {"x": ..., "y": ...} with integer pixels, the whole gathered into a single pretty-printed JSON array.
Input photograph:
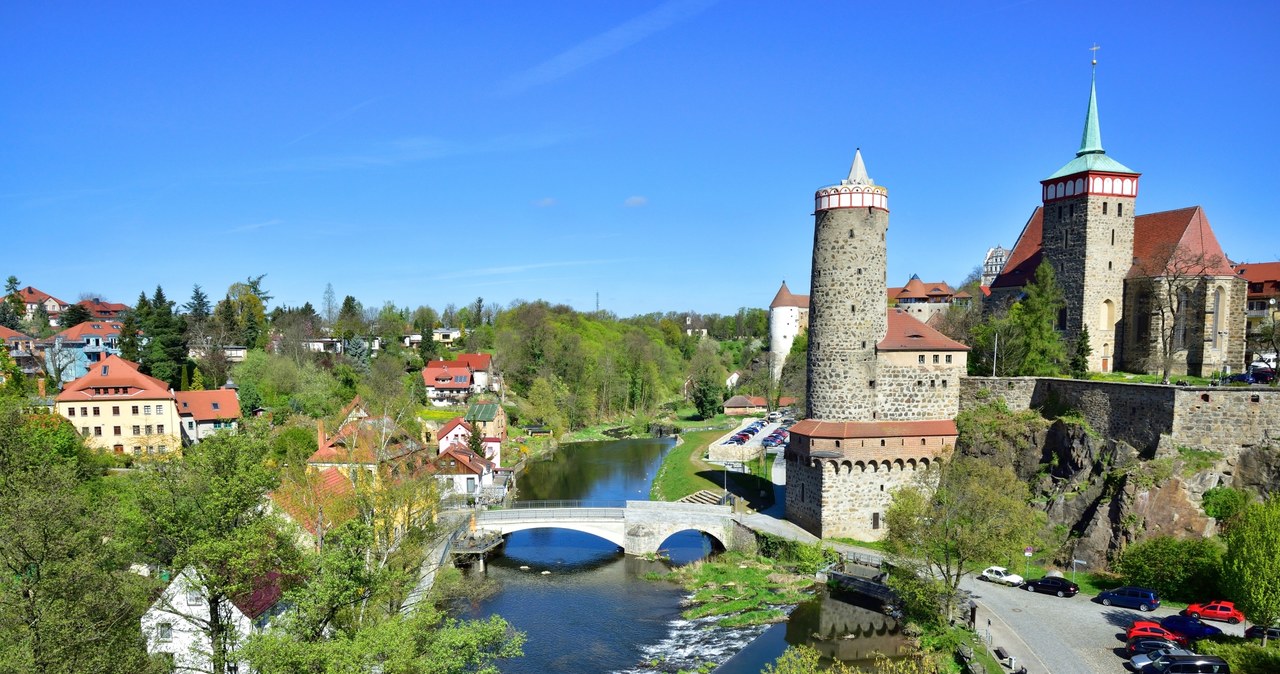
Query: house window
[
  {"x": 191, "y": 425},
  {"x": 84, "y": 411},
  {"x": 115, "y": 410},
  {"x": 137, "y": 449},
  {"x": 875, "y": 520},
  {"x": 84, "y": 430},
  {"x": 146, "y": 409},
  {"x": 96, "y": 411},
  {"x": 164, "y": 449},
  {"x": 148, "y": 429},
  {"x": 135, "y": 409},
  {"x": 920, "y": 359},
  {"x": 115, "y": 430},
  {"x": 948, "y": 359},
  {"x": 935, "y": 359},
  {"x": 215, "y": 407},
  {"x": 97, "y": 431},
  {"x": 160, "y": 429},
  {"x": 159, "y": 409},
  {"x": 71, "y": 411},
  {"x": 137, "y": 430},
  {"x": 164, "y": 632},
  {"x": 193, "y": 596}
]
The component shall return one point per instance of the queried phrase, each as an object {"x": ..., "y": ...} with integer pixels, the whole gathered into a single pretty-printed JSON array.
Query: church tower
[
  {"x": 847, "y": 296},
  {"x": 1088, "y": 238}
]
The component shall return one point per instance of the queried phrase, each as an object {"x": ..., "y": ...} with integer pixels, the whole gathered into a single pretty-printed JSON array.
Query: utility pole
[{"x": 995, "y": 355}]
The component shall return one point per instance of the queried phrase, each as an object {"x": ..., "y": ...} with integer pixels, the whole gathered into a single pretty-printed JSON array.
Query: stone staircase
[{"x": 704, "y": 496}]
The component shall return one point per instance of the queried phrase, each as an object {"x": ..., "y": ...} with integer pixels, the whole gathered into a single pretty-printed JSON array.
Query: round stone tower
[{"x": 847, "y": 314}]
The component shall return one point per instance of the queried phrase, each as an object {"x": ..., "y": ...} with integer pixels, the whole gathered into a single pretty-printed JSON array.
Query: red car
[
  {"x": 1216, "y": 610},
  {"x": 1146, "y": 628}
]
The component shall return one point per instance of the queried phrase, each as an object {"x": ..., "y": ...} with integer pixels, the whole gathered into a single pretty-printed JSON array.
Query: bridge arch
[{"x": 613, "y": 534}]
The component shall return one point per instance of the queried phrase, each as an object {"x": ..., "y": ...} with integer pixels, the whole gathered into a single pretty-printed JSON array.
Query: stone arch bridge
[{"x": 638, "y": 527}]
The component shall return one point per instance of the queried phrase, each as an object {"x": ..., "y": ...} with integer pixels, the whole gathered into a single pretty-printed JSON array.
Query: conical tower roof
[
  {"x": 785, "y": 298},
  {"x": 858, "y": 172},
  {"x": 1091, "y": 156}
]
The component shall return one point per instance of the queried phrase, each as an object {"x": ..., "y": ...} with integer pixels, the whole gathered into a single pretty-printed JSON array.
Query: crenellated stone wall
[
  {"x": 842, "y": 497},
  {"x": 1149, "y": 417}
]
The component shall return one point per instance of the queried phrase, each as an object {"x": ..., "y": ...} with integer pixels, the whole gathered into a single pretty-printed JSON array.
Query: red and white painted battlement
[{"x": 1090, "y": 183}]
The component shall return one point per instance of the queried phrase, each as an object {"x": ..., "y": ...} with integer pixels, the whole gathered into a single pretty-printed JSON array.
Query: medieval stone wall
[
  {"x": 918, "y": 385},
  {"x": 1147, "y": 416},
  {"x": 856, "y": 496},
  {"x": 804, "y": 493}
]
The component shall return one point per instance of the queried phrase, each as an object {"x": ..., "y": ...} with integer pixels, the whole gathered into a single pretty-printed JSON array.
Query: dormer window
[
  {"x": 215, "y": 407},
  {"x": 104, "y": 370}
]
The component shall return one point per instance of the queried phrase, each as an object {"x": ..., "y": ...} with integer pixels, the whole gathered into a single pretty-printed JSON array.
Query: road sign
[{"x": 1026, "y": 552}]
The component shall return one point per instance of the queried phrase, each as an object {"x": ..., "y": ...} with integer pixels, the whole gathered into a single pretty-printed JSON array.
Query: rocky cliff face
[{"x": 1100, "y": 494}]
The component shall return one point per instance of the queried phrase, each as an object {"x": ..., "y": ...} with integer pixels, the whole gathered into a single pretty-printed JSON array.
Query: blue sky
[{"x": 662, "y": 154}]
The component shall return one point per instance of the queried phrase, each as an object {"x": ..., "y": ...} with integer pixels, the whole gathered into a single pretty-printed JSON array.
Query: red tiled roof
[
  {"x": 32, "y": 295},
  {"x": 328, "y": 489},
  {"x": 447, "y": 376},
  {"x": 875, "y": 429},
  {"x": 8, "y": 334},
  {"x": 452, "y": 424},
  {"x": 102, "y": 309},
  {"x": 476, "y": 361},
  {"x": 1265, "y": 273},
  {"x": 266, "y": 591},
  {"x": 906, "y": 333},
  {"x": 744, "y": 401},
  {"x": 208, "y": 405},
  {"x": 93, "y": 327},
  {"x": 467, "y": 461},
  {"x": 785, "y": 298},
  {"x": 114, "y": 378},
  {"x": 1177, "y": 242},
  {"x": 1020, "y": 266}
]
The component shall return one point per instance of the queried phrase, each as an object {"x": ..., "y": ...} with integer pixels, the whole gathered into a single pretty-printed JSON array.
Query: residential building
[
  {"x": 204, "y": 413},
  {"x": 1263, "y": 308},
  {"x": 1145, "y": 287},
  {"x": 741, "y": 406},
  {"x": 70, "y": 354},
  {"x": 923, "y": 301},
  {"x": 993, "y": 264},
  {"x": 103, "y": 311},
  {"x": 482, "y": 375},
  {"x": 447, "y": 382},
  {"x": 174, "y": 624},
  {"x": 489, "y": 418},
  {"x": 446, "y": 336},
  {"x": 22, "y": 348},
  {"x": 32, "y": 298},
  {"x": 232, "y": 352},
  {"x": 317, "y": 502},
  {"x": 117, "y": 408},
  {"x": 460, "y": 471}
]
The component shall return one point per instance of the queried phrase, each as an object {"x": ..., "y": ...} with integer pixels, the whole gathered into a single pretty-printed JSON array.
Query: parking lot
[{"x": 1068, "y": 636}]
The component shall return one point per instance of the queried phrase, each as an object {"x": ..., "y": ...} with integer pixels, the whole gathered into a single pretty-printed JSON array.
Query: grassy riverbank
[
  {"x": 683, "y": 471},
  {"x": 742, "y": 589}
]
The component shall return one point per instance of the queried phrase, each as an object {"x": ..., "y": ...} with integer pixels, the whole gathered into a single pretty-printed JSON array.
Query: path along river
[{"x": 595, "y": 612}]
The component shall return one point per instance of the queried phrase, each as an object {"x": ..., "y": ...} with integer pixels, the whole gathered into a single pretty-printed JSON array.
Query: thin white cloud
[
  {"x": 335, "y": 119},
  {"x": 545, "y": 202},
  {"x": 635, "y": 202},
  {"x": 414, "y": 149},
  {"x": 603, "y": 45},
  {"x": 255, "y": 225}
]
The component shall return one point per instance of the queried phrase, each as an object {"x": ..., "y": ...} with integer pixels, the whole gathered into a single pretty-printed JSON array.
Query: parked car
[
  {"x": 1189, "y": 627},
  {"x": 1053, "y": 585},
  {"x": 1215, "y": 610},
  {"x": 1129, "y": 596},
  {"x": 999, "y": 574},
  {"x": 1263, "y": 375},
  {"x": 1255, "y": 632},
  {"x": 1141, "y": 660},
  {"x": 1141, "y": 645},
  {"x": 1189, "y": 664},
  {"x": 1147, "y": 628}
]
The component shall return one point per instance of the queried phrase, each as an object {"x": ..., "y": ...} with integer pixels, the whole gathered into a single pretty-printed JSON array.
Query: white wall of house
[{"x": 173, "y": 625}]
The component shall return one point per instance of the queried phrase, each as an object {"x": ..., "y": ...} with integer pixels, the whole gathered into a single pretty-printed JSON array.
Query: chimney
[{"x": 320, "y": 439}]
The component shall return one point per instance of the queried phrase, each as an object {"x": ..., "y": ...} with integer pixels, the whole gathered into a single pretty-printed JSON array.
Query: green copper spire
[{"x": 1091, "y": 142}]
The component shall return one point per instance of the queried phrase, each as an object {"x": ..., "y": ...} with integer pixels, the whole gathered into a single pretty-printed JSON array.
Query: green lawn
[
  {"x": 683, "y": 471},
  {"x": 441, "y": 414},
  {"x": 1145, "y": 378}
]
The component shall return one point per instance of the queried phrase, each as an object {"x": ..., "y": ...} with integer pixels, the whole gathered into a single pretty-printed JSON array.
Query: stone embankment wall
[{"x": 1150, "y": 417}]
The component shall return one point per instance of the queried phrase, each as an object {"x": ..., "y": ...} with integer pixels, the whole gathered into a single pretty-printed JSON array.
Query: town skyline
[{"x": 445, "y": 153}]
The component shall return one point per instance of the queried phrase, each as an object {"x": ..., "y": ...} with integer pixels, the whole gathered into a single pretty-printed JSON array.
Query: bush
[
  {"x": 1179, "y": 569},
  {"x": 1245, "y": 657},
  {"x": 1224, "y": 503}
]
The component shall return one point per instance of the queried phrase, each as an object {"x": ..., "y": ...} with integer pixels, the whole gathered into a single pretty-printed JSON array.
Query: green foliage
[
  {"x": 1026, "y": 335},
  {"x": 1079, "y": 365},
  {"x": 281, "y": 384},
  {"x": 707, "y": 382},
  {"x": 994, "y": 425},
  {"x": 1147, "y": 474},
  {"x": 806, "y": 558},
  {"x": 923, "y": 596},
  {"x": 73, "y": 315},
  {"x": 975, "y": 511},
  {"x": 1223, "y": 503},
  {"x": 1197, "y": 460},
  {"x": 1251, "y": 566},
  {"x": 1243, "y": 656},
  {"x": 1179, "y": 569}
]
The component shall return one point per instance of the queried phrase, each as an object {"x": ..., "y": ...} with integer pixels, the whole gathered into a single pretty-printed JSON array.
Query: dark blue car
[{"x": 1189, "y": 627}]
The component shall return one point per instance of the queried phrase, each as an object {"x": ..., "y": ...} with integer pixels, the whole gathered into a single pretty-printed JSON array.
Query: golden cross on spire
[{"x": 1095, "y": 49}]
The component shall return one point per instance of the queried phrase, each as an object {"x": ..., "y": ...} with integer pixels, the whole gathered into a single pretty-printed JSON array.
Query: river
[{"x": 595, "y": 612}]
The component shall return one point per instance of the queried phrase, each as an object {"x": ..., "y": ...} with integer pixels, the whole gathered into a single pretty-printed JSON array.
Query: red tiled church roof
[{"x": 1020, "y": 266}]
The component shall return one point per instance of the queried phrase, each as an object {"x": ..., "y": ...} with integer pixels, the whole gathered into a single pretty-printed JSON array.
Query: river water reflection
[{"x": 594, "y": 611}]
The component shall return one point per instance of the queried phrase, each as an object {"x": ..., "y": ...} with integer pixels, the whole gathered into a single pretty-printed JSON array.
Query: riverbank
[{"x": 683, "y": 471}]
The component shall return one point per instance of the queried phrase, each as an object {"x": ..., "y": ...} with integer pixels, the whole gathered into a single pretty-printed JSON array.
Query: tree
[
  {"x": 1037, "y": 316},
  {"x": 474, "y": 442},
  {"x": 1179, "y": 569},
  {"x": 202, "y": 513},
  {"x": 974, "y": 512},
  {"x": 1251, "y": 566},
  {"x": 329, "y": 305},
  {"x": 805, "y": 659},
  {"x": 1263, "y": 339},
  {"x": 350, "y": 319},
  {"x": 68, "y": 602},
  {"x": 74, "y": 315},
  {"x": 198, "y": 307},
  {"x": 13, "y": 299},
  {"x": 1174, "y": 282},
  {"x": 707, "y": 378},
  {"x": 255, "y": 287},
  {"x": 1079, "y": 366},
  {"x": 8, "y": 317},
  {"x": 1224, "y": 503}
]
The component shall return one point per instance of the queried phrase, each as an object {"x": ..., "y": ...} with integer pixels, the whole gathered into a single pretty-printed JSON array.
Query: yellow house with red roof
[{"x": 117, "y": 408}]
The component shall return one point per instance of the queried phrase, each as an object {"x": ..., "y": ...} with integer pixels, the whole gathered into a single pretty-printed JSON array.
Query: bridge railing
[
  {"x": 598, "y": 503},
  {"x": 549, "y": 514}
]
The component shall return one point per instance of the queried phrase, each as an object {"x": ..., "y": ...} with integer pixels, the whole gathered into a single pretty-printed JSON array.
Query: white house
[
  {"x": 175, "y": 623},
  {"x": 204, "y": 412}
]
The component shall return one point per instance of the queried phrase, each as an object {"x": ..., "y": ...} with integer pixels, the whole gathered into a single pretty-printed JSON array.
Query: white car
[{"x": 999, "y": 574}]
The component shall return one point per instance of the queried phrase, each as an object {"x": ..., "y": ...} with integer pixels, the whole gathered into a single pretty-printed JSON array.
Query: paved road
[{"x": 1064, "y": 636}]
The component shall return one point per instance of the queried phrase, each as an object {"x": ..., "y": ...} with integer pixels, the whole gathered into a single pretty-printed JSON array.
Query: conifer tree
[
  {"x": 198, "y": 307},
  {"x": 197, "y": 381},
  {"x": 129, "y": 343},
  {"x": 1037, "y": 318},
  {"x": 1080, "y": 355},
  {"x": 74, "y": 315}
]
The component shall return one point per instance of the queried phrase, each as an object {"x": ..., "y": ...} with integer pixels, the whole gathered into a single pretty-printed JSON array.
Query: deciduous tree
[{"x": 1251, "y": 567}]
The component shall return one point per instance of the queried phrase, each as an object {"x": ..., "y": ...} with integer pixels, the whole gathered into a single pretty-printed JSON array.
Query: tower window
[
  {"x": 851, "y": 234},
  {"x": 871, "y": 384},
  {"x": 1119, "y": 209},
  {"x": 1104, "y": 208},
  {"x": 1108, "y": 265},
  {"x": 1059, "y": 212},
  {"x": 853, "y": 308},
  {"x": 864, "y": 344},
  {"x": 1072, "y": 210},
  {"x": 1113, "y": 234},
  {"x": 859, "y": 271}
]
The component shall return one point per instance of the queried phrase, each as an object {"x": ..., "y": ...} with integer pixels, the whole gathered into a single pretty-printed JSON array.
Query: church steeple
[{"x": 1091, "y": 142}]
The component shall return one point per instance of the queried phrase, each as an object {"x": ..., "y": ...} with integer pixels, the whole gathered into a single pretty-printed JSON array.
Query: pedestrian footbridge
[{"x": 638, "y": 527}]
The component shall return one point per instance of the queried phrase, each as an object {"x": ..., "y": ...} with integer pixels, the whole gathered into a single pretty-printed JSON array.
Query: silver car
[{"x": 1141, "y": 661}]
